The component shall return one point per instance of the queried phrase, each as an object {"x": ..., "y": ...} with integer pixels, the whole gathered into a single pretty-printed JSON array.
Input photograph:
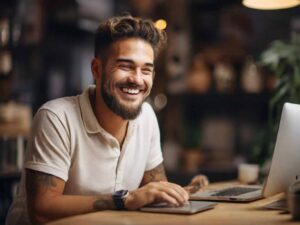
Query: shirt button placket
[{"x": 118, "y": 166}]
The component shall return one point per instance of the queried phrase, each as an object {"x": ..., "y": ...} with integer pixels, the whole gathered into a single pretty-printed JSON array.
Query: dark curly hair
[{"x": 126, "y": 26}]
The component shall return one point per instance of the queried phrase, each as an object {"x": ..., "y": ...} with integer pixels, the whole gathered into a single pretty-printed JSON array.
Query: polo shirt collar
[{"x": 88, "y": 117}]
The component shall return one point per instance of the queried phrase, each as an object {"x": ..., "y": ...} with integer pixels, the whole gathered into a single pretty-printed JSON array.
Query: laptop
[
  {"x": 191, "y": 207},
  {"x": 285, "y": 166},
  {"x": 236, "y": 193}
]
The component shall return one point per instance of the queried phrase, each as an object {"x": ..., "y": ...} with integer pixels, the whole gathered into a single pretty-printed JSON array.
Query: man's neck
[{"x": 108, "y": 120}]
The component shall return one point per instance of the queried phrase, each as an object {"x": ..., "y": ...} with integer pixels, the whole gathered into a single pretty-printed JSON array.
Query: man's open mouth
[{"x": 132, "y": 91}]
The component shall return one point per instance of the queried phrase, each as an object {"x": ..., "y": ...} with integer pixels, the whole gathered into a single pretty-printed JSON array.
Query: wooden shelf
[
  {"x": 224, "y": 99},
  {"x": 10, "y": 174}
]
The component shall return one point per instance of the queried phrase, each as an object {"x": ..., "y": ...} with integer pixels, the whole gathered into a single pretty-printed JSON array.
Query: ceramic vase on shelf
[
  {"x": 5, "y": 76},
  {"x": 225, "y": 77},
  {"x": 4, "y": 31},
  {"x": 199, "y": 78},
  {"x": 251, "y": 77}
]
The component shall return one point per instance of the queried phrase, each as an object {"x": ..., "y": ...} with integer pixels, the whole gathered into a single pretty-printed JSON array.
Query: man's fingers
[
  {"x": 181, "y": 191},
  {"x": 157, "y": 192},
  {"x": 175, "y": 191},
  {"x": 164, "y": 197},
  {"x": 200, "y": 180},
  {"x": 197, "y": 183},
  {"x": 192, "y": 188}
]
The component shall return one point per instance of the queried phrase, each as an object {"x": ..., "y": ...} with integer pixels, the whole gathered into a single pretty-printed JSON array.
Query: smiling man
[{"x": 100, "y": 150}]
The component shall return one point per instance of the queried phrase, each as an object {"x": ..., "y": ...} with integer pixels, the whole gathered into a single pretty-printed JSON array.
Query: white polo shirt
[{"x": 68, "y": 142}]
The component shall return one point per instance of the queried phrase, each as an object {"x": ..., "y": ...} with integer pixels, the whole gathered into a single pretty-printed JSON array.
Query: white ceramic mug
[{"x": 248, "y": 173}]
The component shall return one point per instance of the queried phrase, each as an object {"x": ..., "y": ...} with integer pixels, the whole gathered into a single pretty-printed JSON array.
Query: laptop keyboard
[{"x": 234, "y": 191}]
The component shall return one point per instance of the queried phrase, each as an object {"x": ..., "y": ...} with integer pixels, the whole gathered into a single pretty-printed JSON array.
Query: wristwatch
[{"x": 119, "y": 198}]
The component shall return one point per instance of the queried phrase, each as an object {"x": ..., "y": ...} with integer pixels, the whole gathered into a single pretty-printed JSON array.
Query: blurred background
[{"x": 218, "y": 91}]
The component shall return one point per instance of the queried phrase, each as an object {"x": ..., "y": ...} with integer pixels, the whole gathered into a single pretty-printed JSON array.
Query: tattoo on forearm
[
  {"x": 104, "y": 202},
  {"x": 37, "y": 181},
  {"x": 156, "y": 174}
]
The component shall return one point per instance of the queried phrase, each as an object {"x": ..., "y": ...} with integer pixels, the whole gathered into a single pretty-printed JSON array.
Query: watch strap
[{"x": 119, "y": 199}]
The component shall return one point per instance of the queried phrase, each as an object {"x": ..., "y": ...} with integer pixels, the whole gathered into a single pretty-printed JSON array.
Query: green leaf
[
  {"x": 296, "y": 77},
  {"x": 279, "y": 95}
]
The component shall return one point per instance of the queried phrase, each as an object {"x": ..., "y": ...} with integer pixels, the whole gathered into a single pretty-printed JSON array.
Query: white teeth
[{"x": 130, "y": 90}]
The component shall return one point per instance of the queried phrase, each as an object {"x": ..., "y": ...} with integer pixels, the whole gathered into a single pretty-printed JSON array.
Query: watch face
[
  {"x": 119, "y": 197},
  {"x": 120, "y": 193}
]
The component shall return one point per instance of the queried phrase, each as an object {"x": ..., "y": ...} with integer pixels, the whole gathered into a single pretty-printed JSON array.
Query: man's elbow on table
[
  {"x": 37, "y": 216},
  {"x": 43, "y": 193}
]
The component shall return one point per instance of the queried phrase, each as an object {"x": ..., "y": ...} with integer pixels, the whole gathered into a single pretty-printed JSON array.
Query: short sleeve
[
  {"x": 155, "y": 154},
  {"x": 48, "y": 148}
]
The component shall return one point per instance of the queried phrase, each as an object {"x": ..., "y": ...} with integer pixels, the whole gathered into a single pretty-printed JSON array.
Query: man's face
[{"x": 127, "y": 77}]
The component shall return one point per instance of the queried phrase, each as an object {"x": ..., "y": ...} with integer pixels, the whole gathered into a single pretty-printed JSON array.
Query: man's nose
[{"x": 136, "y": 77}]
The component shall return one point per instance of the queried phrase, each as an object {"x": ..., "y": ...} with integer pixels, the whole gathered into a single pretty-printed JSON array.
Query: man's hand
[
  {"x": 197, "y": 183},
  {"x": 161, "y": 191},
  {"x": 155, "y": 188}
]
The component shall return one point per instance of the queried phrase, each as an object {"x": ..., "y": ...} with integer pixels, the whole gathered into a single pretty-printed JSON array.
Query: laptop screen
[{"x": 285, "y": 166}]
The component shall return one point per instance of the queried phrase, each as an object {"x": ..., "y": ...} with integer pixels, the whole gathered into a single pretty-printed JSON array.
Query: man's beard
[{"x": 115, "y": 106}]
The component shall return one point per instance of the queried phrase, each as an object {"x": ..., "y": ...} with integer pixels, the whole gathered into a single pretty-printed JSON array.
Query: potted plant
[{"x": 283, "y": 59}]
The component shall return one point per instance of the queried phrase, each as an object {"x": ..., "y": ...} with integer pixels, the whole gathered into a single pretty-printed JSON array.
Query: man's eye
[
  {"x": 147, "y": 71},
  {"x": 125, "y": 67}
]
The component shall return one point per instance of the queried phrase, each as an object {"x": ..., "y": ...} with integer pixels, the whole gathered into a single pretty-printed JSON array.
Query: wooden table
[{"x": 224, "y": 213}]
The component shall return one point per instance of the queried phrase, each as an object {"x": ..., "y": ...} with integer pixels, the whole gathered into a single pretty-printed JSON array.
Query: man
[{"x": 100, "y": 150}]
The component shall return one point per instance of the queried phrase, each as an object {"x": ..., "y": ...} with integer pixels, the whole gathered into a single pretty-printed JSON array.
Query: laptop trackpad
[{"x": 189, "y": 208}]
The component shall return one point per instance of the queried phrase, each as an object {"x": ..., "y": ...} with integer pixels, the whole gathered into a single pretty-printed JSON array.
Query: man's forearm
[
  {"x": 68, "y": 205},
  {"x": 154, "y": 175},
  {"x": 46, "y": 200}
]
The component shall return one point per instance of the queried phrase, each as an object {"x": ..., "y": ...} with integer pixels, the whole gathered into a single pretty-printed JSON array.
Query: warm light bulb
[
  {"x": 161, "y": 24},
  {"x": 270, "y": 4}
]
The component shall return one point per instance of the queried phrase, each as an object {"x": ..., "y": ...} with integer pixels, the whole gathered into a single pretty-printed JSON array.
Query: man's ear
[{"x": 96, "y": 67}]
